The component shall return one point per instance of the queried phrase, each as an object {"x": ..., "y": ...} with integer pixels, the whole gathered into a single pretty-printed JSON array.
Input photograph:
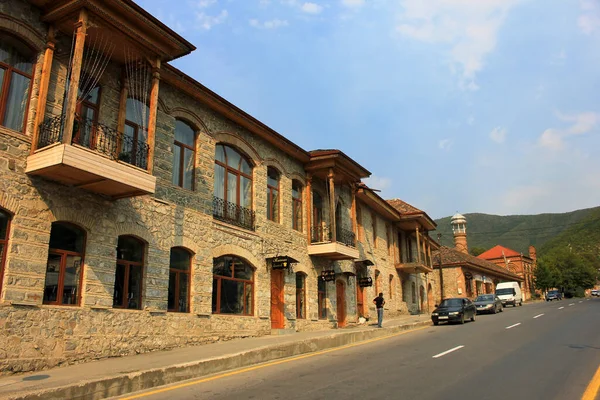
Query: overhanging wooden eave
[{"x": 377, "y": 204}]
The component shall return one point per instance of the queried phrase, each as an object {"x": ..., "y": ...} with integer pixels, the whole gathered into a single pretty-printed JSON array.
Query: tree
[
  {"x": 565, "y": 269},
  {"x": 475, "y": 251},
  {"x": 546, "y": 276}
]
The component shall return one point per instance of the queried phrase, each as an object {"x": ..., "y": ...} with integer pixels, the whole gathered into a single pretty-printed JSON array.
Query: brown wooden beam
[
  {"x": 43, "y": 88},
  {"x": 153, "y": 110}
]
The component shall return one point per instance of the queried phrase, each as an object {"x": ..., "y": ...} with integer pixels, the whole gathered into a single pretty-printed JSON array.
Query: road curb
[{"x": 118, "y": 385}]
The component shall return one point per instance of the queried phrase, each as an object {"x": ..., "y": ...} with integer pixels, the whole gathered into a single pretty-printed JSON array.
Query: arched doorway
[
  {"x": 430, "y": 303},
  {"x": 341, "y": 303},
  {"x": 277, "y": 302}
]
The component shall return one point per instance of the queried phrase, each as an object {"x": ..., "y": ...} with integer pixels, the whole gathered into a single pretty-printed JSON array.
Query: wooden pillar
[
  {"x": 418, "y": 245},
  {"x": 153, "y": 110},
  {"x": 332, "y": 224},
  {"x": 43, "y": 89},
  {"x": 81, "y": 27},
  {"x": 309, "y": 207}
]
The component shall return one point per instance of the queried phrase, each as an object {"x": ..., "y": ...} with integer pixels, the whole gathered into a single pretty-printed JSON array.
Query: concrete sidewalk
[{"x": 118, "y": 376}]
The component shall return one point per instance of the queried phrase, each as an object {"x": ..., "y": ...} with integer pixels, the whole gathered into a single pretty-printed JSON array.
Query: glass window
[
  {"x": 85, "y": 128},
  {"x": 413, "y": 292},
  {"x": 319, "y": 232},
  {"x": 184, "y": 151},
  {"x": 129, "y": 273},
  {"x": 322, "y": 292},
  {"x": 273, "y": 194},
  {"x": 179, "y": 280},
  {"x": 300, "y": 295},
  {"x": 134, "y": 146},
  {"x": 16, "y": 66},
  {"x": 4, "y": 228},
  {"x": 297, "y": 205},
  {"x": 233, "y": 286},
  {"x": 65, "y": 265}
]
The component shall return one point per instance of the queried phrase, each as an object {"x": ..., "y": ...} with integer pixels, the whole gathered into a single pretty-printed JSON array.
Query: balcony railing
[
  {"x": 97, "y": 137},
  {"x": 322, "y": 234},
  {"x": 233, "y": 214}
]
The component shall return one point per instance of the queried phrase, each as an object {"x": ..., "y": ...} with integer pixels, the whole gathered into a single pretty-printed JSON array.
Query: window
[
  {"x": 359, "y": 224},
  {"x": 129, "y": 273},
  {"x": 388, "y": 239},
  {"x": 377, "y": 282},
  {"x": 16, "y": 72},
  {"x": 322, "y": 291},
  {"x": 391, "y": 283},
  {"x": 134, "y": 146},
  {"x": 4, "y": 230},
  {"x": 85, "y": 128},
  {"x": 180, "y": 267},
  {"x": 318, "y": 233},
  {"x": 297, "y": 205},
  {"x": 233, "y": 286},
  {"x": 65, "y": 262},
  {"x": 402, "y": 282},
  {"x": 374, "y": 225},
  {"x": 184, "y": 155},
  {"x": 273, "y": 194},
  {"x": 300, "y": 295}
]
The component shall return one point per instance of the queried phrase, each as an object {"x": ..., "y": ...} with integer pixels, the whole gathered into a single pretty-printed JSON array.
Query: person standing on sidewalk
[{"x": 379, "y": 302}]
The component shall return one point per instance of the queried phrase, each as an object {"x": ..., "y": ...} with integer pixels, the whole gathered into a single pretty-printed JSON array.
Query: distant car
[
  {"x": 595, "y": 292},
  {"x": 454, "y": 310},
  {"x": 553, "y": 295},
  {"x": 488, "y": 303}
]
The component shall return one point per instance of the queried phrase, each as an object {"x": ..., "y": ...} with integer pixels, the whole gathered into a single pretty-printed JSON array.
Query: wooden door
[
  {"x": 360, "y": 300},
  {"x": 341, "y": 303},
  {"x": 277, "y": 304}
]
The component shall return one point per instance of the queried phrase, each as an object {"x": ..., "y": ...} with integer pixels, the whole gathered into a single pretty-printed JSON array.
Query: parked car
[
  {"x": 509, "y": 293},
  {"x": 595, "y": 292},
  {"x": 488, "y": 303},
  {"x": 454, "y": 310},
  {"x": 553, "y": 295}
]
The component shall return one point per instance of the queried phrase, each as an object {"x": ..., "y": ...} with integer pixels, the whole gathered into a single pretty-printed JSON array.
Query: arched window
[
  {"x": 413, "y": 291},
  {"x": 85, "y": 128},
  {"x": 134, "y": 146},
  {"x": 300, "y": 295},
  {"x": 233, "y": 286},
  {"x": 377, "y": 282},
  {"x": 391, "y": 283},
  {"x": 4, "y": 230},
  {"x": 184, "y": 155},
  {"x": 273, "y": 177},
  {"x": 65, "y": 264},
  {"x": 180, "y": 267},
  {"x": 129, "y": 273},
  {"x": 16, "y": 72},
  {"x": 297, "y": 205},
  {"x": 318, "y": 233},
  {"x": 233, "y": 187},
  {"x": 322, "y": 293}
]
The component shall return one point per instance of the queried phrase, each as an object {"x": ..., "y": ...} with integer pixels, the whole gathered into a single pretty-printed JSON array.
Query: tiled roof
[
  {"x": 404, "y": 207},
  {"x": 453, "y": 256},
  {"x": 496, "y": 252}
]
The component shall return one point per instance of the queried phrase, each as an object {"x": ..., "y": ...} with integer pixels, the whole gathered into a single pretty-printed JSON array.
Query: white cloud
[
  {"x": 208, "y": 21},
  {"x": 378, "y": 182},
  {"x": 468, "y": 28},
  {"x": 271, "y": 24},
  {"x": 311, "y": 8},
  {"x": 581, "y": 123},
  {"x": 498, "y": 134},
  {"x": 445, "y": 144},
  {"x": 206, "y": 3},
  {"x": 353, "y": 3},
  {"x": 589, "y": 20}
]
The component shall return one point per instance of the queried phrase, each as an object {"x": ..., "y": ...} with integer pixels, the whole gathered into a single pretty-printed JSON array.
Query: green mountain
[{"x": 580, "y": 229}]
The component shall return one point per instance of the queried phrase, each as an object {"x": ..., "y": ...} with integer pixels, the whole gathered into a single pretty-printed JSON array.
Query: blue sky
[{"x": 454, "y": 105}]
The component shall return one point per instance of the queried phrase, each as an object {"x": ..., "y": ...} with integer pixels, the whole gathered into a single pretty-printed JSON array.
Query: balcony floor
[
  {"x": 333, "y": 251},
  {"x": 77, "y": 166}
]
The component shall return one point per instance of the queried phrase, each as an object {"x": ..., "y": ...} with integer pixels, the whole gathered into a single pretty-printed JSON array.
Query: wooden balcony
[
  {"x": 322, "y": 244},
  {"x": 414, "y": 267},
  {"x": 99, "y": 159}
]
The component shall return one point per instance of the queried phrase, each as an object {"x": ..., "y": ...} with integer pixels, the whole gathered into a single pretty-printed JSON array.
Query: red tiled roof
[
  {"x": 453, "y": 256},
  {"x": 404, "y": 207},
  {"x": 496, "y": 252}
]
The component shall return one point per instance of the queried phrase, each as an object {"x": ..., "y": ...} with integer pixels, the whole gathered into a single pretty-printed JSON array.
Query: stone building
[
  {"x": 141, "y": 211},
  {"x": 462, "y": 275},
  {"x": 516, "y": 263}
]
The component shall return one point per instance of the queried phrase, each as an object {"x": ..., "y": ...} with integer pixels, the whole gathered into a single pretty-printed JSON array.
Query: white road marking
[
  {"x": 581, "y": 302},
  {"x": 537, "y": 316},
  {"x": 448, "y": 351},
  {"x": 560, "y": 308},
  {"x": 512, "y": 326},
  {"x": 572, "y": 304}
]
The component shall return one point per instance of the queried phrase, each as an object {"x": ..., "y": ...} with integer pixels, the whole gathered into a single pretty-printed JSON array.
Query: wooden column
[
  {"x": 309, "y": 207},
  {"x": 43, "y": 88},
  {"x": 153, "y": 110},
  {"x": 418, "y": 246},
  {"x": 332, "y": 224},
  {"x": 81, "y": 27}
]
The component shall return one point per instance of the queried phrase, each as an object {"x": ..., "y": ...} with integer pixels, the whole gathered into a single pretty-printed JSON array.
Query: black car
[
  {"x": 454, "y": 310},
  {"x": 553, "y": 295},
  {"x": 488, "y": 303}
]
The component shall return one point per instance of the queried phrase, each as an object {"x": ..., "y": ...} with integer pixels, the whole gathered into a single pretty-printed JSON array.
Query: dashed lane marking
[
  {"x": 572, "y": 304},
  {"x": 537, "y": 316},
  {"x": 448, "y": 351},
  {"x": 560, "y": 308},
  {"x": 512, "y": 326}
]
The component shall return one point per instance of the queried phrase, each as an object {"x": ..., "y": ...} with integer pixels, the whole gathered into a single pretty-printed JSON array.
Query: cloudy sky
[{"x": 454, "y": 105}]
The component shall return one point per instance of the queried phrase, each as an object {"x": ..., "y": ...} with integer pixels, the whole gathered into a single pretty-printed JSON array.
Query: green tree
[
  {"x": 475, "y": 251},
  {"x": 572, "y": 271},
  {"x": 546, "y": 276}
]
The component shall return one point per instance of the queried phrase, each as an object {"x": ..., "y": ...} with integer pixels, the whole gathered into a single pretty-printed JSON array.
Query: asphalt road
[{"x": 539, "y": 351}]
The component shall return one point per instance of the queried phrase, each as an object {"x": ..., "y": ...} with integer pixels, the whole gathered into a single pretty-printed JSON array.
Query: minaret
[{"x": 459, "y": 229}]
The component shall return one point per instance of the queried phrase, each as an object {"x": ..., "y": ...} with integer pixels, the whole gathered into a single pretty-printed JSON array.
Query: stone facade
[{"x": 39, "y": 336}]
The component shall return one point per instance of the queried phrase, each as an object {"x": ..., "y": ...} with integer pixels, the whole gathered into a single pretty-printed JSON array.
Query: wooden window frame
[
  {"x": 192, "y": 148},
  {"x": 128, "y": 265},
  {"x": 271, "y": 190},
  {"x": 9, "y": 70},
  {"x": 238, "y": 173},
  {"x": 177, "y": 273},
  {"x": 297, "y": 222},
  {"x": 94, "y": 121},
  {"x": 4, "y": 242},
  {"x": 322, "y": 302},
  {"x": 301, "y": 295},
  {"x": 220, "y": 278}
]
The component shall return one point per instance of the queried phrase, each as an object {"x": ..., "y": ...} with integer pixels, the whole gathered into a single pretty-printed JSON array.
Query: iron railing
[
  {"x": 98, "y": 137},
  {"x": 322, "y": 234},
  {"x": 233, "y": 214}
]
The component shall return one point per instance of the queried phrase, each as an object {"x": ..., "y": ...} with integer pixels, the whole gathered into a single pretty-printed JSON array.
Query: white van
[{"x": 509, "y": 293}]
